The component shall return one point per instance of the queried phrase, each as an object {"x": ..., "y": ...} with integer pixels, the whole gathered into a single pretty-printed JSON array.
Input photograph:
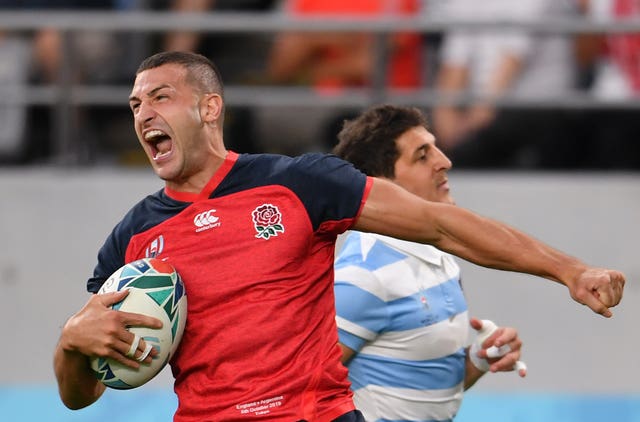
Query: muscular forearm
[
  {"x": 77, "y": 384},
  {"x": 496, "y": 245}
]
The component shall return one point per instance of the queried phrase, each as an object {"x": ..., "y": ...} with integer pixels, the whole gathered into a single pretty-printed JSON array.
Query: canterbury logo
[{"x": 206, "y": 220}]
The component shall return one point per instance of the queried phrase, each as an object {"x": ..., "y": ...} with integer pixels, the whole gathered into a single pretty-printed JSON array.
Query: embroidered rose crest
[{"x": 267, "y": 221}]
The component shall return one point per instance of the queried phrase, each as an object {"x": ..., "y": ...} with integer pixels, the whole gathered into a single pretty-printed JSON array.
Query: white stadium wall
[{"x": 53, "y": 221}]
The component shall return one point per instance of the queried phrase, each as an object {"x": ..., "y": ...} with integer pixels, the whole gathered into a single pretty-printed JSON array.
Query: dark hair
[
  {"x": 369, "y": 140},
  {"x": 202, "y": 72}
]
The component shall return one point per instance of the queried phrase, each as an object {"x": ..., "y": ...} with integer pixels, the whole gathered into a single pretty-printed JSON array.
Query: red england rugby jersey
[{"x": 255, "y": 251}]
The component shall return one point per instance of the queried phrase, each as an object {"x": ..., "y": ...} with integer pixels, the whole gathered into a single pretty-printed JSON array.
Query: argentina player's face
[
  {"x": 168, "y": 123},
  {"x": 422, "y": 167}
]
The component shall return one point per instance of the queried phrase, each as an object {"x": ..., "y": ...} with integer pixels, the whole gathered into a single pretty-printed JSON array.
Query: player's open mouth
[{"x": 160, "y": 143}]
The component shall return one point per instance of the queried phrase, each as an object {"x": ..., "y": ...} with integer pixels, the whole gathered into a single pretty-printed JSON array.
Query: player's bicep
[{"x": 395, "y": 212}]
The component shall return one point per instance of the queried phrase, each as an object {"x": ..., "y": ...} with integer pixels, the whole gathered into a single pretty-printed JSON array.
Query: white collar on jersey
[{"x": 421, "y": 251}]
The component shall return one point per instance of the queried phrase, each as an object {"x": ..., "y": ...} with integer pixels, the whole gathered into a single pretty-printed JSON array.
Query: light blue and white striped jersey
[{"x": 400, "y": 306}]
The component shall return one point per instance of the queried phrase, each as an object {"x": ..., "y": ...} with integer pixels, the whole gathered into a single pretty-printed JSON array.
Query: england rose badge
[{"x": 267, "y": 221}]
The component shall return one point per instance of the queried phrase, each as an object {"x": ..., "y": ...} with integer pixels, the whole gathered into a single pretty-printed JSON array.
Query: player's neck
[{"x": 194, "y": 183}]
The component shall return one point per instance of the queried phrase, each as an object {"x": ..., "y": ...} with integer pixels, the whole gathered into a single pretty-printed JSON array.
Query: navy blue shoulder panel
[
  {"x": 149, "y": 212},
  {"x": 330, "y": 188}
]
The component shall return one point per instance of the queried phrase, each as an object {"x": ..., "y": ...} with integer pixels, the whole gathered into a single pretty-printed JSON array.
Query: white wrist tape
[
  {"x": 478, "y": 362},
  {"x": 488, "y": 327},
  {"x": 520, "y": 366},
  {"x": 497, "y": 352}
]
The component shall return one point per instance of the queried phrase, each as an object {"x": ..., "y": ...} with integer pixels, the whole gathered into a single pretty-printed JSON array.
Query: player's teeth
[{"x": 153, "y": 133}]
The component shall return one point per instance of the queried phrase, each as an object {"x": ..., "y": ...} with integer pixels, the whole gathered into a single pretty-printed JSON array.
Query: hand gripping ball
[{"x": 155, "y": 289}]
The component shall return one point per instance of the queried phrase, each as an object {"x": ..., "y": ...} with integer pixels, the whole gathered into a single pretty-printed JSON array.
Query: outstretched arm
[{"x": 392, "y": 211}]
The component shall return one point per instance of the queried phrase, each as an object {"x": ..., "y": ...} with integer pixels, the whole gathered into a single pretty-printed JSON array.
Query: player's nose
[
  {"x": 145, "y": 113},
  {"x": 442, "y": 162}
]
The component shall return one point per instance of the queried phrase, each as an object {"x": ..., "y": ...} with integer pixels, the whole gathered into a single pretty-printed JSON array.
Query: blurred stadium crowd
[{"x": 497, "y": 97}]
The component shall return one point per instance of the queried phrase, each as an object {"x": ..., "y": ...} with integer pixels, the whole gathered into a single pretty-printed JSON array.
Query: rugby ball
[{"x": 155, "y": 289}]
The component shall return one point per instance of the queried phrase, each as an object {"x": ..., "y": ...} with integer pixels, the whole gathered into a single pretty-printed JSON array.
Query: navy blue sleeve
[
  {"x": 147, "y": 213},
  {"x": 111, "y": 255},
  {"x": 330, "y": 188}
]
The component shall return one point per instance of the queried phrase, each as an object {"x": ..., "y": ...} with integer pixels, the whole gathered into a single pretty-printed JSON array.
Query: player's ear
[{"x": 211, "y": 107}]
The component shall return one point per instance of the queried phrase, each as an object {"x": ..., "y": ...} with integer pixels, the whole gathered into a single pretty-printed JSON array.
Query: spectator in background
[
  {"x": 336, "y": 60},
  {"x": 36, "y": 57},
  {"x": 333, "y": 61},
  {"x": 95, "y": 53},
  {"x": 488, "y": 64},
  {"x": 186, "y": 40},
  {"x": 615, "y": 63},
  {"x": 199, "y": 41}
]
